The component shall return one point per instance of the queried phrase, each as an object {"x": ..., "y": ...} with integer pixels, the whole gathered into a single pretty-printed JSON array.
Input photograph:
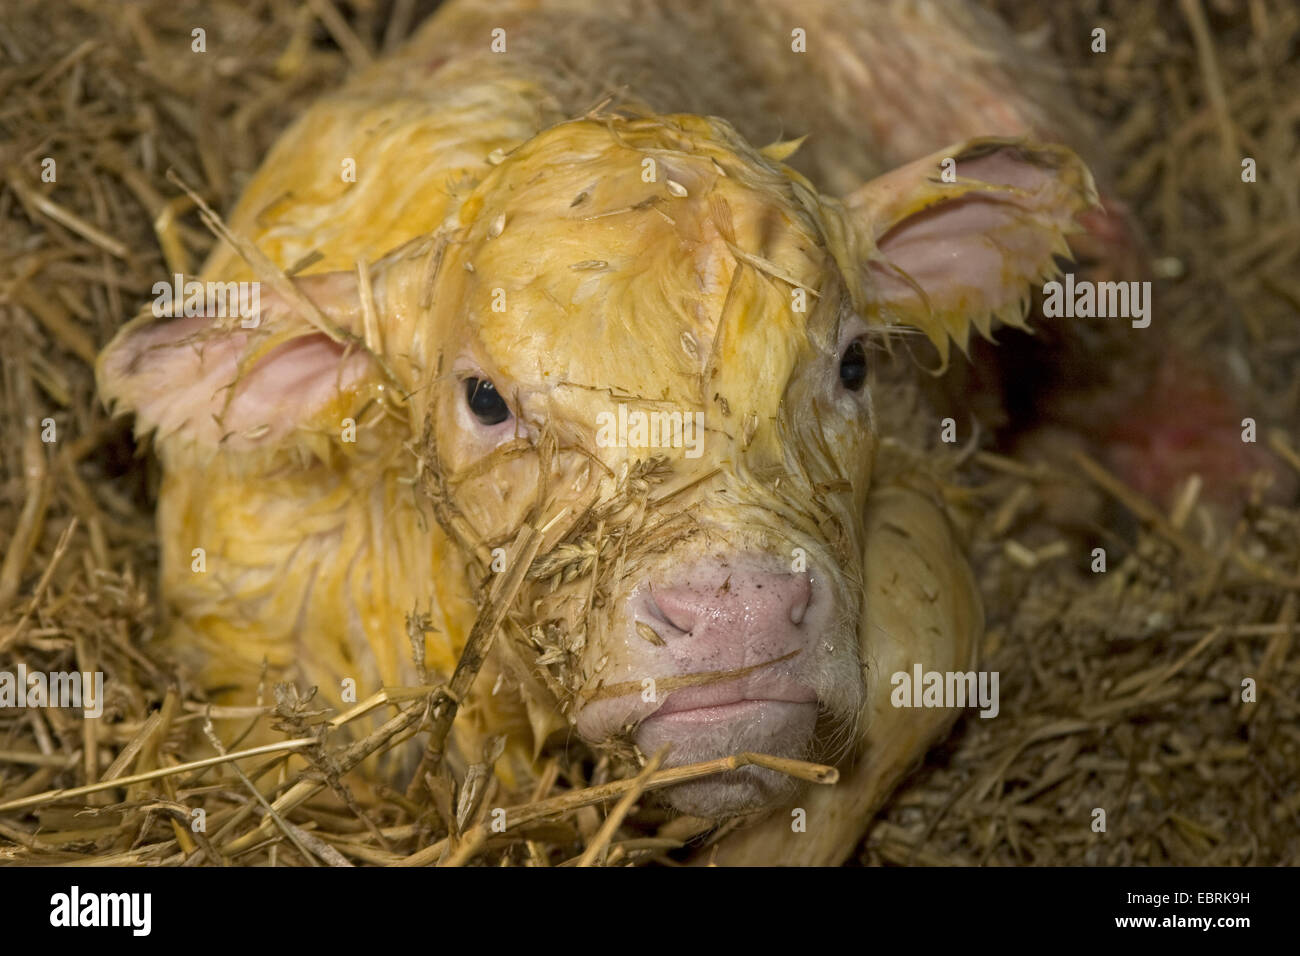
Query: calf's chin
[{"x": 776, "y": 728}]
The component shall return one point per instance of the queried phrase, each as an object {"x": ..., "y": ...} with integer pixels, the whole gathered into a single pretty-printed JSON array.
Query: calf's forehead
[{"x": 636, "y": 258}]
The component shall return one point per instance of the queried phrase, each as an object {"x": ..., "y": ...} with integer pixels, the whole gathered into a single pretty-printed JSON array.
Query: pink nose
[
  {"x": 744, "y": 602},
  {"x": 737, "y": 614}
]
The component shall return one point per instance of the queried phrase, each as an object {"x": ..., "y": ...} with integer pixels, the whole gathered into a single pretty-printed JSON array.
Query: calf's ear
[
  {"x": 242, "y": 382},
  {"x": 958, "y": 238}
]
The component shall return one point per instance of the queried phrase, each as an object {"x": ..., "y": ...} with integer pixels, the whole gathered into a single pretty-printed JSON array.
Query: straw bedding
[{"x": 1120, "y": 691}]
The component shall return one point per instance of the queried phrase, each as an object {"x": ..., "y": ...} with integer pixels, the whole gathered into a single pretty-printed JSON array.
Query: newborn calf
[{"x": 515, "y": 307}]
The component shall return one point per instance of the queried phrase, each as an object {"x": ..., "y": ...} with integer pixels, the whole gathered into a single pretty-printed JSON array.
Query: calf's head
[{"x": 652, "y": 343}]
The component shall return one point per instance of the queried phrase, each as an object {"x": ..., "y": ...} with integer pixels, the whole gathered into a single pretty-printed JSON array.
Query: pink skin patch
[{"x": 1188, "y": 423}]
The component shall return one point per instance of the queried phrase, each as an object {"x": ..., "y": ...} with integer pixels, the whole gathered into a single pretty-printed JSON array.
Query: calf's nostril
[
  {"x": 797, "y": 593},
  {"x": 676, "y": 615},
  {"x": 798, "y": 609}
]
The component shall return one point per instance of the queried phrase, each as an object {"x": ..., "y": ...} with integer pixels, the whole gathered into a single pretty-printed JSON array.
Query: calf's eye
[
  {"x": 853, "y": 367},
  {"x": 485, "y": 401}
]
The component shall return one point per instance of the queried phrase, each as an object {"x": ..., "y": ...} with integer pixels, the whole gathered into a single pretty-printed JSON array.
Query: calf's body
[{"x": 489, "y": 265}]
